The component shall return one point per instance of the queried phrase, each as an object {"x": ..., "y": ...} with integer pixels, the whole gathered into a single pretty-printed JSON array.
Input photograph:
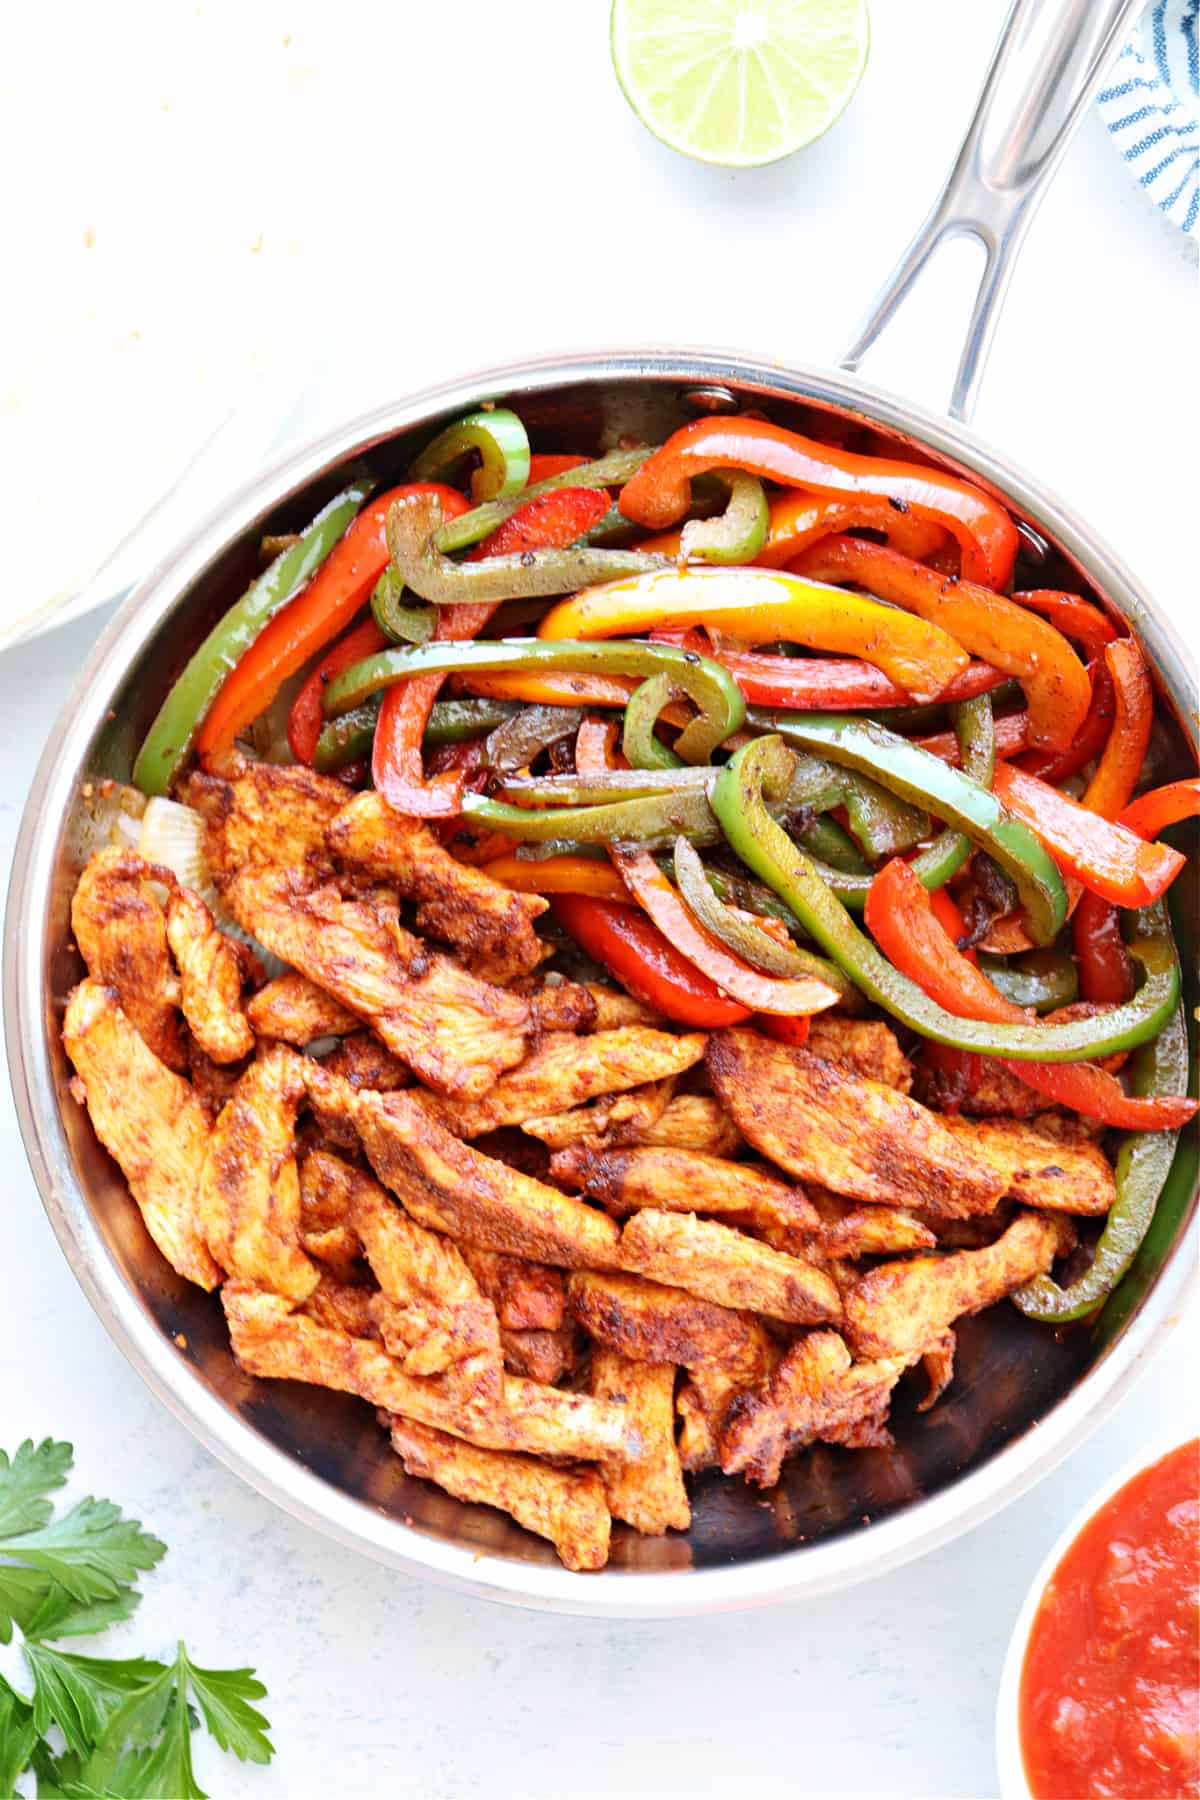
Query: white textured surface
[{"x": 378, "y": 143}]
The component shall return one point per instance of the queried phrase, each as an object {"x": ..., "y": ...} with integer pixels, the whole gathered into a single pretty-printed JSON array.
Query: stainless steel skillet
[{"x": 1023, "y": 1397}]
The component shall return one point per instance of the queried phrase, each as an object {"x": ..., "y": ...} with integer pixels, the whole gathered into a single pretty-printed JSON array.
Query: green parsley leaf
[
  {"x": 92, "y": 1551},
  {"x": 18, "y": 1735},
  {"x": 26, "y": 1481},
  {"x": 81, "y": 1694},
  {"x": 60, "y": 1616},
  {"x": 22, "y": 1592},
  {"x": 224, "y": 1696},
  {"x": 167, "y": 1767}
]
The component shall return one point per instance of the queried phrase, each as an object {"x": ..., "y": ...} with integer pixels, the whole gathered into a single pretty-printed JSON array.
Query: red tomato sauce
[{"x": 1110, "y": 1688}]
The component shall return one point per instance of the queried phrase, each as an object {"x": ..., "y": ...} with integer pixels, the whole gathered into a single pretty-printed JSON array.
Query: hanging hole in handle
[{"x": 951, "y": 262}]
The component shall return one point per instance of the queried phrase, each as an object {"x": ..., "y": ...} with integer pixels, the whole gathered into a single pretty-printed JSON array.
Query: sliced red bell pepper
[
  {"x": 1153, "y": 812},
  {"x": 1011, "y": 732},
  {"x": 1105, "y": 971},
  {"x": 633, "y": 949},
  {"x": 1105, "y": 856},
  {"x": 903, "y": 923},
  {"x": 1090, "y": 738},
  {"x": 792, "y": 1030},
  {"x": 1074, "y": 616},
  {"x": 316, "y": 615},
  {"x": 306, "y": 719},
  {"x": 1116, "y": 775},
  {"x": 548, "y": 522},
  {"x": 990, "y": 626},
  {"x": 822, "y": 684},
  {"x": 543, "y": 465},
  {"x": 659, "y": 494}
]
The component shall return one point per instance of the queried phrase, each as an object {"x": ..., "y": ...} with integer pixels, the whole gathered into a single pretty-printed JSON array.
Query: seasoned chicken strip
[
  {"x": 528, "y": 1296},
  {"x": 847, "y": 1230},
  {"x": 815, "y": 1392},
  {"x": 650, "y": 1322},
  {"x": 562, "y": 1006},
  {"x": 249, "y": 1197},
  {"x": 365, "y": 1062},
  {"x": 296, "y": 1011},
  {"x": 121, "y": 932},
  {"x": 860, "y": 1138},
  {"x": 148, "y": 1119},
  {"x": 430, "y": 1313},
  {"x": 612, "y": 1119},
  {"x": 904, "y": 1308},
  {"x": 721, "y": 1264},
  {"x": 488, "y": 923},
  {"x": 694, "y": 1122},
  {"x": 542, "y": 1355},
  {"x": 565, "y": 1505},
  {"x": 647, "y": 1491},
  {"x": 343, "y": 1306},
  {"x": 450, "y": 1187},
  {"x": 1037, "y": 1169},
  {"x": 326, "y": 1192},
  {"x": 269, "y": 1340},
  {"x": 562, "y": 1070},
  {"x": 210, "y": 978},
  {"x": 456, "y": 1032},
  {"x": 624, "y": 1180},
  {"x": 866, "y": 1046},
  {"x": 615, "y": 1008},
  {"x": 267, "y": 813}
]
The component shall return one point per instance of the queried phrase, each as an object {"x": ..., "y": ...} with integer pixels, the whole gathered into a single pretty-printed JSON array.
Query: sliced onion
[{"x": 172, "y": 836}]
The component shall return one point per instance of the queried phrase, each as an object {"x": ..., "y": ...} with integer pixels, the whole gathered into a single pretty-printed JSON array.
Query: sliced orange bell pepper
[
  {"x": 761, "y": 605},
  {"x": 798, "y": 519},
  {"x": 1153, "y": 812},
  {"x": 990, "y": 626},
  {"x": 1109, "y": 790},
  {"x": 558, "y": 875},
  {"x": 659, "y": 494},
  {"x": 1074, "y": 616}
]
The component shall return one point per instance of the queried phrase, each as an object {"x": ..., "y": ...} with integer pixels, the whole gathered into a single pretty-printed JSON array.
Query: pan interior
[{"x": 1011, "y": 1374}]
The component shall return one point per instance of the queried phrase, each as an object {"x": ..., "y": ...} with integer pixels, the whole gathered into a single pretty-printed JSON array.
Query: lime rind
[{"x": 739, "y": 83}]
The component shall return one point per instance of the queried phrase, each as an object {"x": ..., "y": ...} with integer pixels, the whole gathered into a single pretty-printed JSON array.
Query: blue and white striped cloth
[{"x": 1150, "y": 106}]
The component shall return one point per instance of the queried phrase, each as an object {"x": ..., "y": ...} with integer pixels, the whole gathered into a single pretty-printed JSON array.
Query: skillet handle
[{"x": 1046, "y": 67}]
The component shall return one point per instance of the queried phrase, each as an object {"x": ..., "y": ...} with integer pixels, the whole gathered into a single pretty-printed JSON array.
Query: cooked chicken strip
[
  {"x": 528, "y": 1296},
  {"x": 654, "y": 1323},
  {"x": 488, "y": 923},
  {"x": 846, "y": 1230},
  {"x": 121, "y": 932},
  {"x": 615, "y": 1008},
  {"x": 938, "y": 1364},
  {"x": 148, "y": 1119},
  {"x": 249, "y": 1197},
  {"x": 213, "y": 1083},
  {"x": 647, "y": 1491},
  {"x": 860, "y": 1138},
  {"x": 542, "y": 1355},
  {"x": 565, "y": 1505},
  {"x": 365, "y": 1062},
  {"x": 269, "y": 1340},
  {"x": 866, "y": 1046},
  {"x": 267, "y": 813},
  {"x": 296, "y": 1011},
  {"x": 431, "y": 1313},
  {"x": 626, "y": 1179},
  {"x": 721, "y": 1264},
  {"x": 904, "y": 1308},
  {"x": 562, "y": 1070},
  {"x": 694, "y": 1122},
  {"x": 343, "y": 1306},
  {"x": 562, "y": 1006},
  {"x": 816, "y": 1392},
  {"x": 612, "y": 1119},
  {"x": 210, "y": 978},
  {"x": 450, "y": 1187},
  {"x": 1037, "y": 1169},
  {"x": 456, "y": 1032}
]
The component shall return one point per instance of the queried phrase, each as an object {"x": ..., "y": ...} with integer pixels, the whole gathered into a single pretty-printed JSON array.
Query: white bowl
[{"x": 1014, "y": 1784}]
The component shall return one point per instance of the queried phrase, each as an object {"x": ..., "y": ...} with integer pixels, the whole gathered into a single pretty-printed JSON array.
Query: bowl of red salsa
[{"x": 1101, "y": 1688}]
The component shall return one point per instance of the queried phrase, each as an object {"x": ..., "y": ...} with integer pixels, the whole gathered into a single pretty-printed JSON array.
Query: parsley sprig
[{"x": 125, "y": 1726}]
